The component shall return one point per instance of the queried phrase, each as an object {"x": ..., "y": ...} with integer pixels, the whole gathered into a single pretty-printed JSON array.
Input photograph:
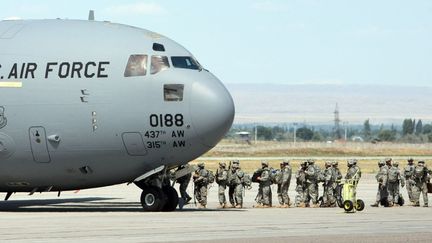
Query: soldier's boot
[
  {"x": 301, "y": 205},
  {"x": 390, "y": 204},
  {"x": 239, "y": 206},
  {"x": 425, "y": 205},
  {"x": 232, "y": 205},
  {"x": 201, "y": 206},
  {"x": 221, "y": 205},
  {"x": 258, "y": 206},
  {"x": 266, "y": 206},
  {"x": 315, "y": 205},
  {"x": 376, "y": 204},
  {"x": 416, "y": 204}
]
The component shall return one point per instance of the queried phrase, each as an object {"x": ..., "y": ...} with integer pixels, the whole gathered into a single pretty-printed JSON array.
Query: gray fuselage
[{"x": 70, "y": 117}]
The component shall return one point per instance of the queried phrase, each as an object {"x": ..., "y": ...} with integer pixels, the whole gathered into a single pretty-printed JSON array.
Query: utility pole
[
  {"x": 295, "y": 132},
  {"x": 336, "y": 128},
  {"x": 256, "y": 133},
  {"x": 346, "y": 127}
]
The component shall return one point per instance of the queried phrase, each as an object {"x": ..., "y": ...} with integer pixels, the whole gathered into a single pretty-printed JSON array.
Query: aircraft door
[
  {"x": 38, "y": 144},
  {"x": 134, "y": 144}
]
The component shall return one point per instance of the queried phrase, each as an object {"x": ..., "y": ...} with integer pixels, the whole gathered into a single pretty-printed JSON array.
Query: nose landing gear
[{"x": 158, "y": 195}]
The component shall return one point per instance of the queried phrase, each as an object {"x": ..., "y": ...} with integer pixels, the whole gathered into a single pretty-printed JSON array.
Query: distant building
[{"x": 244, "y": 136}]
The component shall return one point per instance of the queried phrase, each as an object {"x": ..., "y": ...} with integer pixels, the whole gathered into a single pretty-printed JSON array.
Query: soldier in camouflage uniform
[
  {"x": 354, "y": 171},
  {"x": 337, "y": 188},
  {"x": 264, "y": 195},
  {"x": 282, "y": 187},
  {"x": 382, "y": 178},
  {"x": 200, "y": 179},
  {"x": 329, "y": 180},
  {"x": 184, "y": 182},
  {"x": 421, "y": 177},
  {"x": 312, "y": 174},
  {"x": 236, "y": 180},
  {"x": 394, "y": 179},
  {"x": 408, "y": 174},
  {"x": 231, "y": 182},
  {"x": 222, "y": 181},
  {"x": 301, "y": 185}
]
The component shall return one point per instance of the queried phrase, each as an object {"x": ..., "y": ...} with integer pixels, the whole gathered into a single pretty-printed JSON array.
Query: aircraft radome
[{"x": 87, "y": 104}]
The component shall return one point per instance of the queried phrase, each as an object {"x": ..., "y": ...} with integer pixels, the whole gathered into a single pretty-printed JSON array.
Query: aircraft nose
[{"x": 212, "y": 110}]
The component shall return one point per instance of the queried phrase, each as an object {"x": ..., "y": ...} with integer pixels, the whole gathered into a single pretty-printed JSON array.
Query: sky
[{"x": 340, "y": 42}]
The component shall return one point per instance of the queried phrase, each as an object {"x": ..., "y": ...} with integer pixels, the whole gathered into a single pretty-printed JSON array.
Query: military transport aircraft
[{"x": 87, "y": 104}]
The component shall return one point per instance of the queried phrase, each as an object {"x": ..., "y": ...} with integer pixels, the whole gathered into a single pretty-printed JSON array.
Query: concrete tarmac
[{"x": 114, "y": 214}]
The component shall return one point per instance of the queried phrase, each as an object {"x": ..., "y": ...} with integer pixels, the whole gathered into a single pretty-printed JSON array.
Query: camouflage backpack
[
  {"x": 274, "y": 174},
  {"x": 392, "y": 175},
  {"x": 246, "y": 180},
  {"x": 277, "y": 177},
  {"x": 419, "y": 172},
  {"x": 210, "y": 177}
]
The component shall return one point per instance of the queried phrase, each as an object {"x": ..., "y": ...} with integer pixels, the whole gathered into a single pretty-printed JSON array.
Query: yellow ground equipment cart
[{"x": 348, "y": 198}]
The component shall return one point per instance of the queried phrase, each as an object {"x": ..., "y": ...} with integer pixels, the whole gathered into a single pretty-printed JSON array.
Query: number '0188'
[{"x": 166, "y": 120}]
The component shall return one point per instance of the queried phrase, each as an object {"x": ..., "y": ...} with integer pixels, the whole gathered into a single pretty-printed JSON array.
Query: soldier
[
  {"x": 236, "y": 178},
  {"x": 301, "y": 185},
  {"x": 264, "y": 195},
  {"x": 231, "y": 182},
  {"x": 329, "y": 181},
  {"x": 337, "y": 187},
  {"x": 200, "y": 179},
  {"x": 353, "y": 172},
  {"x": 394, "y": 179},
  {"x": 184, "y": 182},
  {"x": 312, "y": 174},
  {"x": 421, "y": 177},
  {"x": 284, "y": 183},
  {"x": 222, "y": 181},
  {"x": 338, "y": 174},
  {"x": 381, "y": 177},
  {"x": 408, "y": 174}
]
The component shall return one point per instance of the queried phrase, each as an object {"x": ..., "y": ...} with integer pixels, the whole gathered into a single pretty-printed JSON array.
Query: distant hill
[{"x": 275, "y": 103}]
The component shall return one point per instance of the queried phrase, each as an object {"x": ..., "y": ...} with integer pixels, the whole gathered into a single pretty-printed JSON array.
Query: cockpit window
[
  {"x": 137, "y": 66},
  {"x": 159, "y": 63},
  {"x": 173, "y": 92},
  {"x": 185, "y": 62},
  {"x": 158, "y": 47}
]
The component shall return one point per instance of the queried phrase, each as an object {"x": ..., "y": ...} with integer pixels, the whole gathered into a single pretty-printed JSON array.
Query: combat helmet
[
  {"x": 264, "y": 162},
  {"x": 223, "y": 164},
  {"x": 328, "y": 163},
  {"x": 381, "y": 163},
  {"x": 335, "y": 163},
  {"x": 201, "y": 165},
  {"x": 395, "y": 163}
]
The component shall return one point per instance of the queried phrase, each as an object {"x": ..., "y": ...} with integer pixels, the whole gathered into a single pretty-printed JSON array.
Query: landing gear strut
[{"x": 158, "y": 194}]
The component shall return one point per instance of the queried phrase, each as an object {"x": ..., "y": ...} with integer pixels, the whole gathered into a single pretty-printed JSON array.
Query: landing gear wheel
[
  {"x": 348, "y": 206},
  {"x": 152, "y": 199},
  {"x": 172, "y": 199},
  {"x": 360, "y": 205}
]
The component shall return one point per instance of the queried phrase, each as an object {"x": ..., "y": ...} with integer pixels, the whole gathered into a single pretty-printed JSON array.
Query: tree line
[{"x": 411, "y": 131}]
